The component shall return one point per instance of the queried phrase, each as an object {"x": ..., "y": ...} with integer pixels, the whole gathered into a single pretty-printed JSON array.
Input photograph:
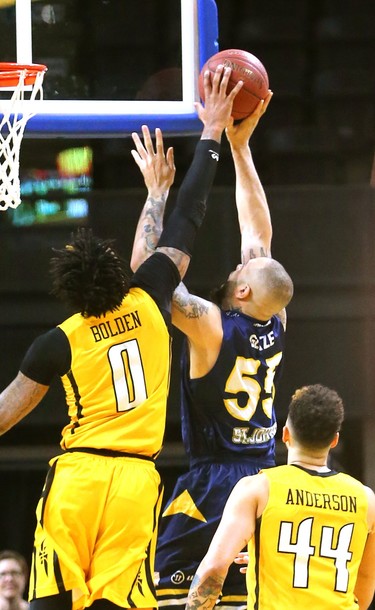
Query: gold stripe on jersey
[
  {"x": 312, "y": 535},
  {"x": 118, "y": 384}
]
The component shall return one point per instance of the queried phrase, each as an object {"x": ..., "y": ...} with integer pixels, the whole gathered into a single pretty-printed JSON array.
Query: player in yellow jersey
[
  {"x": 315, "y": 546},
  {"x": 98, "y": 513}
]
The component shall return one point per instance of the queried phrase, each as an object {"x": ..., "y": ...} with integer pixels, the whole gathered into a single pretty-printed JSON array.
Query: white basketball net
[{"x": 15, "y": 113}]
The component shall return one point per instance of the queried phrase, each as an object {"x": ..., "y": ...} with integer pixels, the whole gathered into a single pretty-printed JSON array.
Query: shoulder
[
  {"x": 253, "y": 489},
  {"x": 251, "y": 484},
  {"x": 50, "y": 353}
]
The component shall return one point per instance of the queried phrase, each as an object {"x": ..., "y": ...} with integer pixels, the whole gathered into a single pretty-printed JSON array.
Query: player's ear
[
  {"x": 335, "y": 441},
  {"x": 242, "y": 291},
  {"x": 285, "y": 435}
]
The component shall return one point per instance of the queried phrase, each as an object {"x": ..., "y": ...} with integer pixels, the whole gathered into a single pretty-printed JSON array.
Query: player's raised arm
[
  {"x": 177, "y": 238},
  {"x": 252, "y": 207},
  {"x": 158, "y": 170}
]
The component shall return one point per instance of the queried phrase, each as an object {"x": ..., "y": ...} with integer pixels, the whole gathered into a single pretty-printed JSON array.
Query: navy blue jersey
[{"x": 230, "y": 410}]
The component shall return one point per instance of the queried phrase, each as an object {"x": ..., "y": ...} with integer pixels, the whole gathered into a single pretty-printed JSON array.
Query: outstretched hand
[
  {"x": 238, "y": 134},
  {"x": 217, "y": 109},
  {"x": 157, "y": 167}
]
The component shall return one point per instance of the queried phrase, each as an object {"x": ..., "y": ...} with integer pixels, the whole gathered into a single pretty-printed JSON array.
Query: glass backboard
[{"x": 112, "y": 64}]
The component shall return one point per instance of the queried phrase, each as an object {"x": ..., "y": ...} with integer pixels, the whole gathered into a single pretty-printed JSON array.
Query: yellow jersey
[
  {"x": 311, "y": 539},
  {"x": 118, "y": 383}
]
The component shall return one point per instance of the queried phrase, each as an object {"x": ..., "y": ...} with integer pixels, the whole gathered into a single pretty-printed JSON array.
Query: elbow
[
  {"x": 215, "y": 568},
  {"x": 137, "y": 259},
  {"x": 134, "y": 263}
]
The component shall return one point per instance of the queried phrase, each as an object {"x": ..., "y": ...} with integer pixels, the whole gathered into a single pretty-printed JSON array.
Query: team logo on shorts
[
  {"x": 43, "y": 556},
  {"x": 178, "y": 577}
]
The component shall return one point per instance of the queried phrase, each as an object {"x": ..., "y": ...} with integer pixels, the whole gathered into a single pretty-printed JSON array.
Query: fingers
[
  {"x": 136, "y": 139},
  {"x": 136, "y": 157},
  {"x": 224, "y": 84},
  {"x": 221, "y": 77},
  {"x": 235, "y": 90},
  {"x": 207, "y": 82},
  {"x": 220, "y": 81},
  {"x": 140, "y": 152},
  {"x": 267, "y": 100},
  {"x": 148, "y": 140},
  {"x": 159, "y": 142},
  {"x": 146, "y": 149},
  {"x": 242, "y": 557},
  {"x": 170, "y": 158},
  {"x": 262, "y": 105}
]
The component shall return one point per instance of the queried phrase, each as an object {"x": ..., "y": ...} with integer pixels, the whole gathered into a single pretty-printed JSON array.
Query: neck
[
  {"x": 248, "y": 310},
  {"x": 15, "y": 603},
  {"x": 316, "y": 462}
]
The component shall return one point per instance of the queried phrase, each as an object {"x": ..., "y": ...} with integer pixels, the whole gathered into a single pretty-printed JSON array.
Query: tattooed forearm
[
  {"x": 204, "y": 594},
  {"x": 18, "y": 399},
  {"x": 152, "y": 221}
]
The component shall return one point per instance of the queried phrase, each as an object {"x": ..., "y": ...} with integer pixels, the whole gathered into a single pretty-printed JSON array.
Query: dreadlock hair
[
  {"x": 88, "y": 276},
  {"x": 316, "y": 414}
]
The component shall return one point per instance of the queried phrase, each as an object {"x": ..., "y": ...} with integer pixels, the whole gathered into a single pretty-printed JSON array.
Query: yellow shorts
[{"x": 96, "y": 530}]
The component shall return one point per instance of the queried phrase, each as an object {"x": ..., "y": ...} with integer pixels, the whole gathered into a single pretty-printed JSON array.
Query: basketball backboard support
[{"x": 86, "y": 44}]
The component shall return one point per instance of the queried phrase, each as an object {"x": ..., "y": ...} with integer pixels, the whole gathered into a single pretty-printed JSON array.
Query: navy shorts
[{"x": 188, "y": 523}]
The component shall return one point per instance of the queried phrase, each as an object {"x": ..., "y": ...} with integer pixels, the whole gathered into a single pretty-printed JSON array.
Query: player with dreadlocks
[{"x": 98, "y": 513}]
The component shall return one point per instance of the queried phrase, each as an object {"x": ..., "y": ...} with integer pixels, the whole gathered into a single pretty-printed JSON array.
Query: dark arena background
[{"x": 314, "y": 151}]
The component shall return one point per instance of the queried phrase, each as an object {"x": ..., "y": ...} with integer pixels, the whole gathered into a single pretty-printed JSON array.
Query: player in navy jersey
[
  {"x": 97, "y": 516},
  {"x": 230, "y": 370}
]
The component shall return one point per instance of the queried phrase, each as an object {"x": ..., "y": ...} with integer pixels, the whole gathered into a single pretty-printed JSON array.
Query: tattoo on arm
[
  {"x": 260, "y": 252},
  {"x": 204, "y": 594},
  {"x": 180, "y": 259},
  {"x": 17, "y": 400},
  {"x": 153, "y": 221},
  {"x": 189, "y": 305}
]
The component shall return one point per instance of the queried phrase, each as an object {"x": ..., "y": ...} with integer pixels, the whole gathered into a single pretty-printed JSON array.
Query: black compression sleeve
[
  {"x": 159, "y": 277},
  {"x": 48, "y": 355},
  {"x": 188, "y": 213}
]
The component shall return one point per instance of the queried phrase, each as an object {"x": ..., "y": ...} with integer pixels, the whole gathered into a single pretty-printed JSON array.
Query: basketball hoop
[{"x": 15, "y": 114}]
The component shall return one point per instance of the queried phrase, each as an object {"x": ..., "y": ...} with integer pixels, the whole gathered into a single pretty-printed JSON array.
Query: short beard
[{"x": 222, "y": 295}]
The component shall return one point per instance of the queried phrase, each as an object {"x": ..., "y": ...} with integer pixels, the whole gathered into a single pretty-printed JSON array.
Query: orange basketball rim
[{"x": 10, "y": 73}]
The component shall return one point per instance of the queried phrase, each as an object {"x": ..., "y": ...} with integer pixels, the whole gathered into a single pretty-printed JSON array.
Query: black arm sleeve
[
  {"x": 188, "y": 213},
  {"x": 48, "y": 355},
  {"x": 158, "y": 276}
]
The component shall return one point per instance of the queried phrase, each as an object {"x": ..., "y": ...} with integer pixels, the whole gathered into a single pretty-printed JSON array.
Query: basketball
[{"x": 245, "y": 67}]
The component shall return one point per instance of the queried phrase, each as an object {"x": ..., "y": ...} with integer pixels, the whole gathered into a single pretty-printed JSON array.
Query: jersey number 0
[{"x": 128, "y": 375}]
